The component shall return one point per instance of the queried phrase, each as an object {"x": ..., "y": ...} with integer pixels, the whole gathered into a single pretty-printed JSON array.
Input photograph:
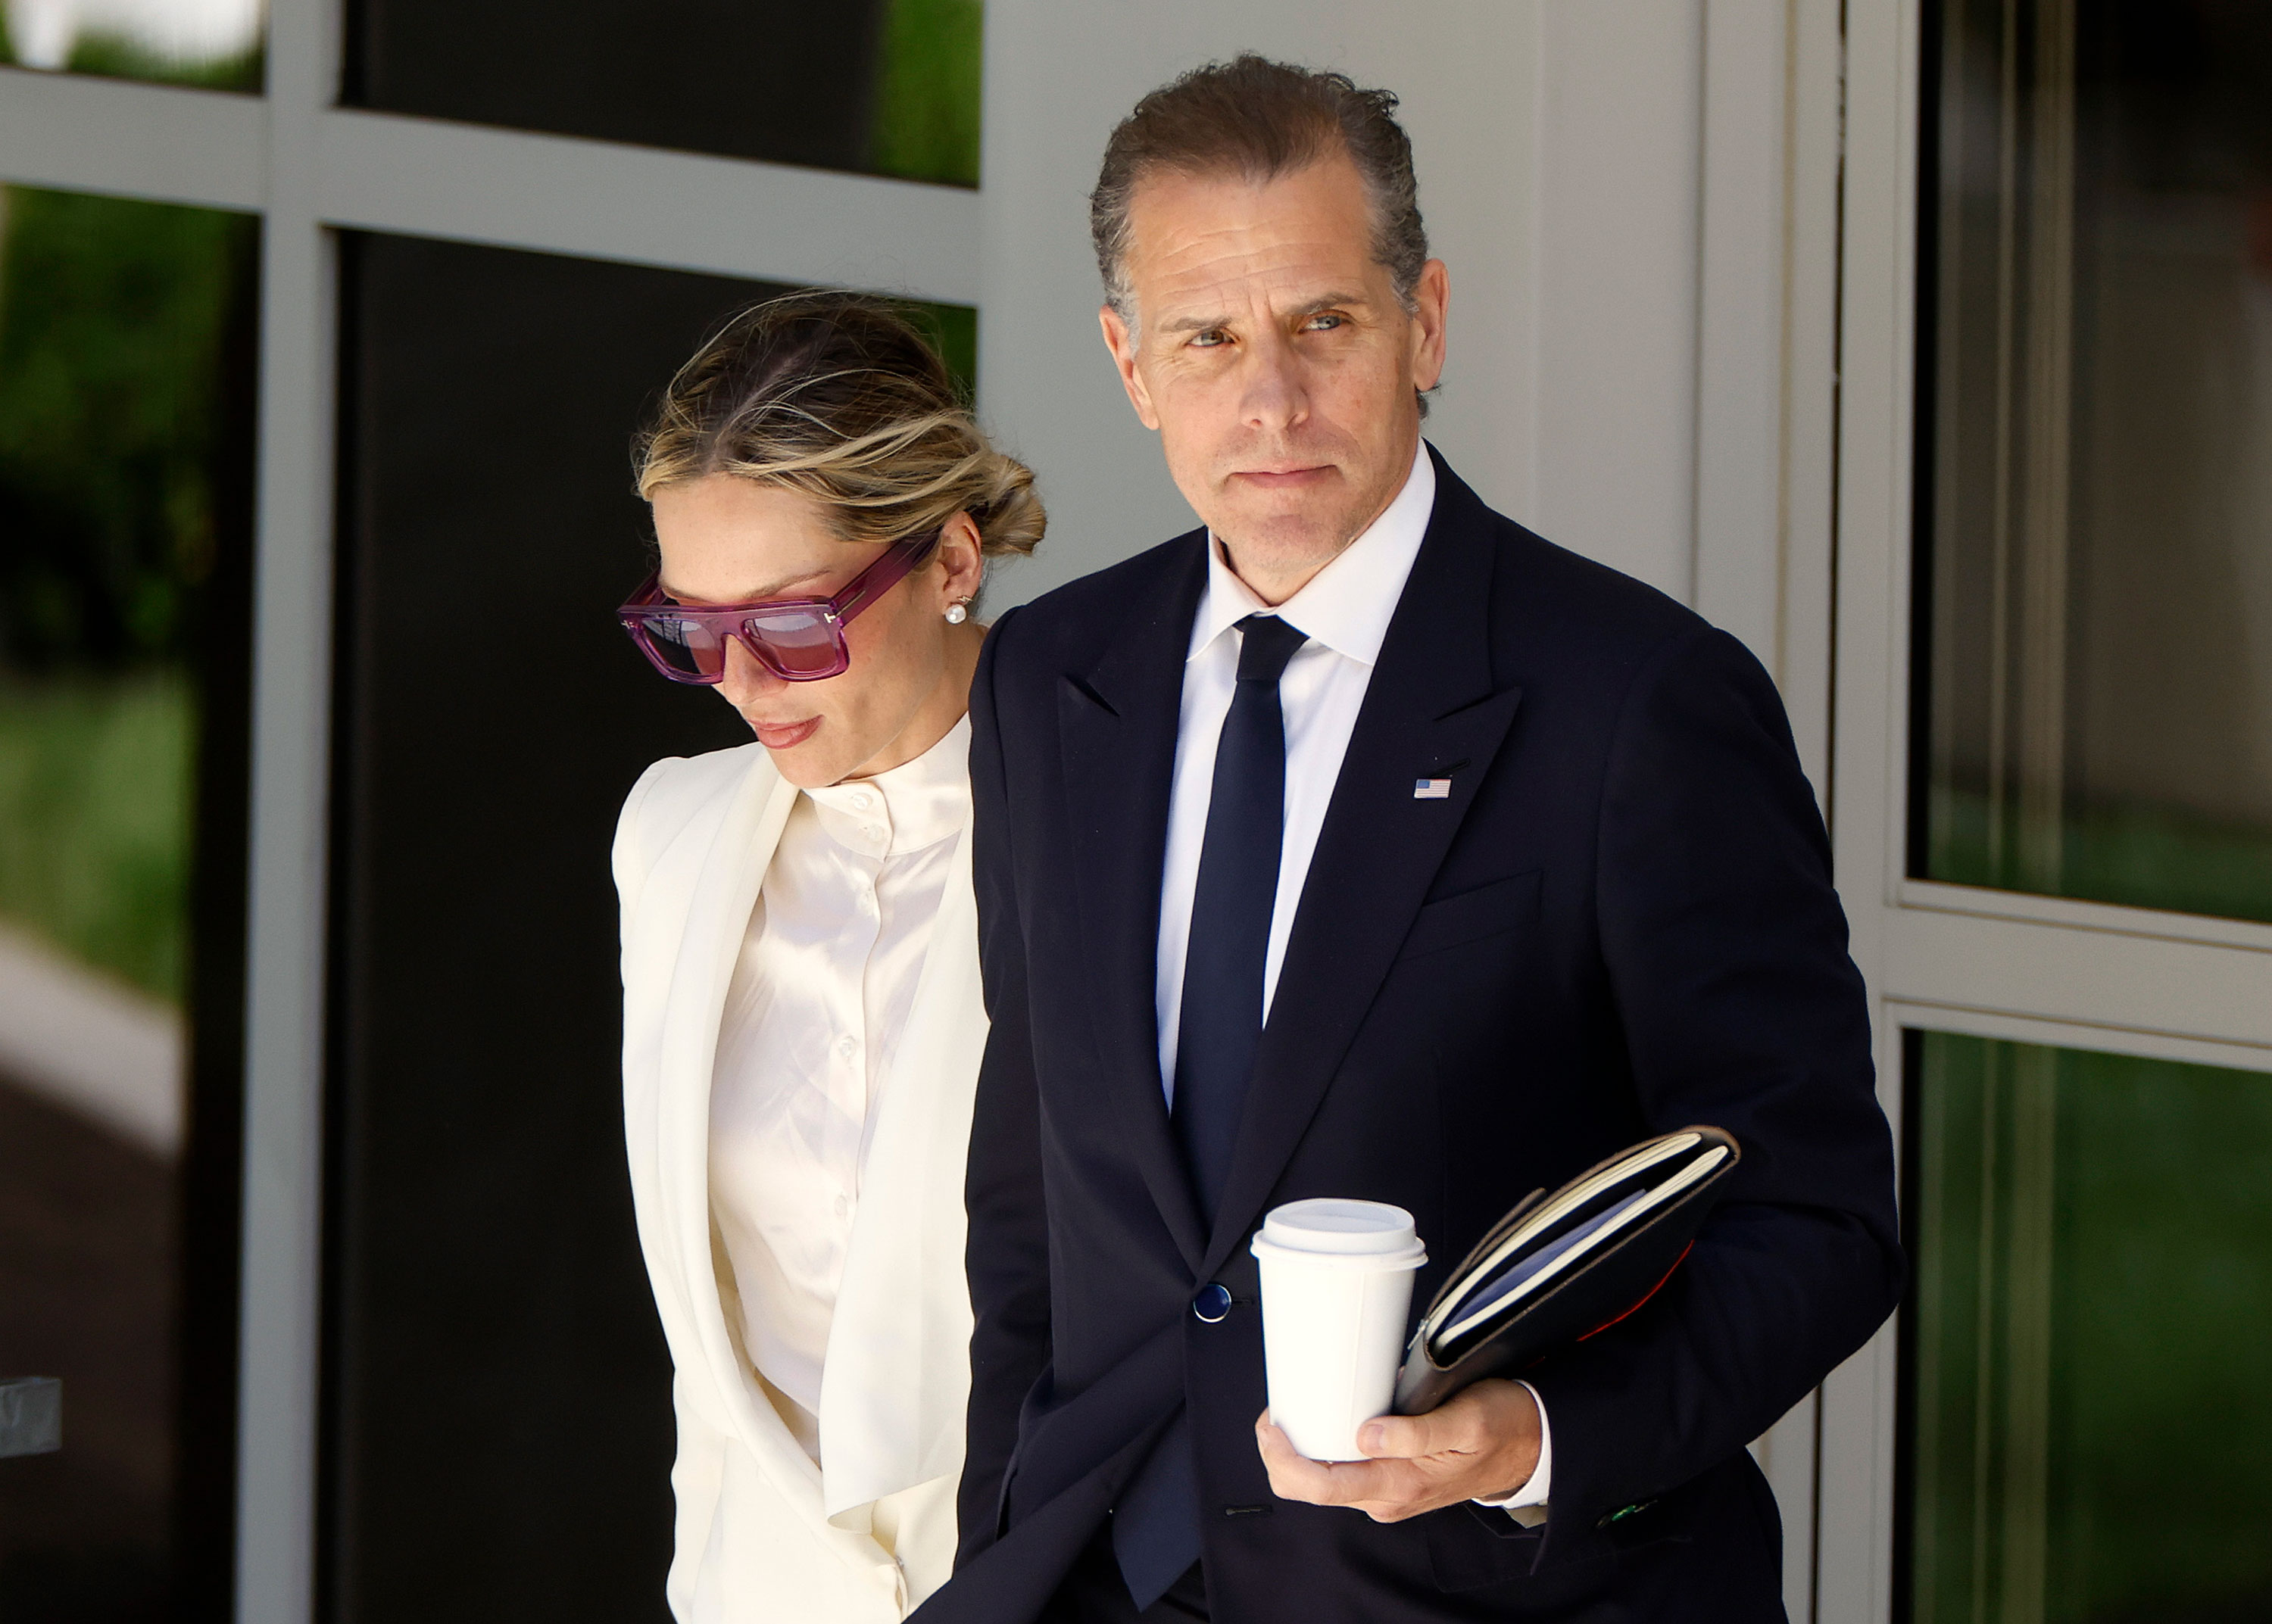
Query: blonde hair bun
[{"x": 838, "y": 395}]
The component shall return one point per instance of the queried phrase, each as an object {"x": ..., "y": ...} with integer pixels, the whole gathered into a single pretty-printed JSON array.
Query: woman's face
[{"x": 728, "y": 540}]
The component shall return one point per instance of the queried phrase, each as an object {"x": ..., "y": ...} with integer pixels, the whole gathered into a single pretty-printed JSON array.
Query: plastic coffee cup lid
[{"x": 1369, "y": 1234}]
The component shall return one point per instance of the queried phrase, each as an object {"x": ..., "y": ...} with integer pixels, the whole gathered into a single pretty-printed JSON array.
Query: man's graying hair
[{"x": 1260, "y": 119}]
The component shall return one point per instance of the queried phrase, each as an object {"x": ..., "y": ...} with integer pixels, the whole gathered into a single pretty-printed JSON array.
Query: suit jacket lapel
[
  {"x": 1116, "y": 724},
  {"x": 720, "y": 896},
  {"x": 1431, "y": 711}
]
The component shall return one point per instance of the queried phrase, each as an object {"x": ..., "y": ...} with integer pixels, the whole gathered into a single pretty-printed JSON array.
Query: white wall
[{"x": 1557, "y": 150}]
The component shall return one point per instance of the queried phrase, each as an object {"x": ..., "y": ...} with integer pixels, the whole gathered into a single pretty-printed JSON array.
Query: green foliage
[
  {"x": 118, "y": 57},
  {"x": 2163, "y": 1302},
  {"x": 2136, "y": 853},
  {"x": 95, "y": 788},
  {"x": 114, "y": 315},
  {"x": 123, "y": 455},
  {"x": 927, "y": 91},
  {"x": 952, "y": 330},
  {"x": 2092, "y": 1435},
  {"x": 2163, "y": 857},
  {"x": 110, "y": 55}
]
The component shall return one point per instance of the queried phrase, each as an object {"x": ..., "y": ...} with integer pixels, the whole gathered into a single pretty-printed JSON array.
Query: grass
[{"x": 96, "y": 782}]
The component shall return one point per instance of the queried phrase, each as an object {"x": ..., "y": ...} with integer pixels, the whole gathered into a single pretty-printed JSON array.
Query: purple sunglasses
[{"x": 797, "y": 639}]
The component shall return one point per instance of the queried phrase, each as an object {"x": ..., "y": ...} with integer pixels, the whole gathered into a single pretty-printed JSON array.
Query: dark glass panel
[
  {"x": 127, "y": 334},
  {"x": 883, "y": 86},
  {"x": 213, "y": 44},
  {"x": 499, "y": 1430},
  {"x": 2089, "y": 1432},
  {"x": 952, "y": 330},
  {"x": 2095, "y": 505}
]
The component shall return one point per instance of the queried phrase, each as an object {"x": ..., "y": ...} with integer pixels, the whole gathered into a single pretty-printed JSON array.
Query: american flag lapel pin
[{"x": 1438, "y": 788}]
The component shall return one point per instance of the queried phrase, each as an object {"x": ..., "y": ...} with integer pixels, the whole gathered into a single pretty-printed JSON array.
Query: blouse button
[
  {"x": 862, "y": 800},
  {"x": 845, "y": 1046}
]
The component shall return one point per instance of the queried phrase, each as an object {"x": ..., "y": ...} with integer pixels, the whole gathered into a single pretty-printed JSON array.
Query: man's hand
[{"x": 1482, "y": 1442}]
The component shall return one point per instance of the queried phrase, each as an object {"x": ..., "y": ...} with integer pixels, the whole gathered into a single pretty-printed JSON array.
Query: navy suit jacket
[{"x": 1619, "y": 922}]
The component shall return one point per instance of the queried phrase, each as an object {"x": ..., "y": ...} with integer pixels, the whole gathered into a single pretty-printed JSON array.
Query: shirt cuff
[{"x": 1527, "y": 1504}]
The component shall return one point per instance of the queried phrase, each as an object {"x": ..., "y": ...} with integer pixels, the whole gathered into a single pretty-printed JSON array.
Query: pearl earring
[{"x": 958, "y": 613}]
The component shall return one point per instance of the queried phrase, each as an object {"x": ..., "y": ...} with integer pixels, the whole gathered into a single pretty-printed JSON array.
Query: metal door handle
[{"x": 31, "y": 1416}]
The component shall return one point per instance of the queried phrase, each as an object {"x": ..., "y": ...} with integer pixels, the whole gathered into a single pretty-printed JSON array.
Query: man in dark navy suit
[{"x": 1363, "y": 844}]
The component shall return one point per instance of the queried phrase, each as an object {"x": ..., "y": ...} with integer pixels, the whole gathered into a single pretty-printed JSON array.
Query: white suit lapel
[
  {"x": 719, "y": 897},
  {"x": 727, "y": 834},
  {"x": 897, "y": 1376}
]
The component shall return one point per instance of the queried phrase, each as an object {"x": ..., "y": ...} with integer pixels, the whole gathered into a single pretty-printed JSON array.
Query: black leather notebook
[{"x": 1563, "y": 1266}]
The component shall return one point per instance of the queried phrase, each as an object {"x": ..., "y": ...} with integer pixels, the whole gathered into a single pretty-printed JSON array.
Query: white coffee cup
[{"x": 1336, "y": 1287}]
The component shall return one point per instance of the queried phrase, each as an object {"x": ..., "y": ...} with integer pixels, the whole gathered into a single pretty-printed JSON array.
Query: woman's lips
[{"x": 784, "y": 735}]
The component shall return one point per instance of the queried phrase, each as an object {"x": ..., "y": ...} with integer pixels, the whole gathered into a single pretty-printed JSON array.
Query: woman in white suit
[{"x": 802, "y": 1014}]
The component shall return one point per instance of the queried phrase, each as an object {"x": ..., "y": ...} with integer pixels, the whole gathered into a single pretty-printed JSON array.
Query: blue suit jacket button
[{"x": 1213, "y": 1304}]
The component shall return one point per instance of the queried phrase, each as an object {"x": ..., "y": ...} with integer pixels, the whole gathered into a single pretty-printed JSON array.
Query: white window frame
[
  {"x": 1942, "y": 958},
  {"x": 310, "y": 169},
  {"x": 1767, "y": 390}
]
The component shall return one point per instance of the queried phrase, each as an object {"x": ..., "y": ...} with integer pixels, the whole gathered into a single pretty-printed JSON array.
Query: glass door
[
  {"x": 2094, "y": 454},
  {"x": 127, "y": 336},
  {"x": 2054, "y": 806}
]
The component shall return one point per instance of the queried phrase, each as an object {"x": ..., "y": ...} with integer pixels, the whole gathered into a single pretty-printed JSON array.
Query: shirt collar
[
  {"x": 915, "y": 804},
  {"x": 1346, "y": 606}
]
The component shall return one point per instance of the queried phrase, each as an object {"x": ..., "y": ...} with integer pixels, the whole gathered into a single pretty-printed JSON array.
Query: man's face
[{"x": 1272, "y": 355}]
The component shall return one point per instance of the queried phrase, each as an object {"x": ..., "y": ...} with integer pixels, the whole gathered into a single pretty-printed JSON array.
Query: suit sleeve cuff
[{"x": 1527, "y": 1504}]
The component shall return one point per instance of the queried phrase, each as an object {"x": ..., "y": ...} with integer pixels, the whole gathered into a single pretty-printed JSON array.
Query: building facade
[{"x": 1925, "y": 344}]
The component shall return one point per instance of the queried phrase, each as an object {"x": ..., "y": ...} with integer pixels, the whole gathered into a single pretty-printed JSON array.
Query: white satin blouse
[{"x": 806, "y": 1049}]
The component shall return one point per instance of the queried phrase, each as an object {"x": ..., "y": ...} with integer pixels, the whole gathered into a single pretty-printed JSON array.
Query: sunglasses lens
[
  {"x": 685, "y": 646},
  {"x": 799, "y": 643}
]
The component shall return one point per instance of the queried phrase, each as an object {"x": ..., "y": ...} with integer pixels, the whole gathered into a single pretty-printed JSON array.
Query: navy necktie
[
  {"x": 1221, "y": 1019},
  {"x": 1155, "y": 1530}
]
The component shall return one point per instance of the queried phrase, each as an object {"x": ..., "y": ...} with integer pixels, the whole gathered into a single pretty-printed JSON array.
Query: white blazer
[{"x": 763, "y": 1533}]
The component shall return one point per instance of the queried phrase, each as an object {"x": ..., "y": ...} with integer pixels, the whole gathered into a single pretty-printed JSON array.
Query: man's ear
[
  {"x": 1122, "y": 343},
  {"x": 1431, "y": 299}
]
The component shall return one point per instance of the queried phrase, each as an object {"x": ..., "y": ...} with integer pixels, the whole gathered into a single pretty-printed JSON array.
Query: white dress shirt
[
  {"x": 1345, "y": 609},
  {"x": 819, "y": 995}
]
